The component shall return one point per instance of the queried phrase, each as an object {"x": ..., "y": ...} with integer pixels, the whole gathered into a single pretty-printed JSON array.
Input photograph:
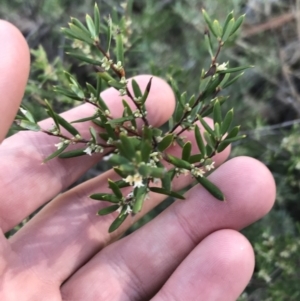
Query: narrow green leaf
[
  {"x": 233, "y": 133},
  {"x": 148, "y": 171},
  {"x": 206, "y": 126},
  {"x": 186, "y": 151},
  {"x": 105, "y": 197},
  {"x": 106, "y": 77},
  {"x": 25, "y": 124},
  {"x": 182, "y": 98},
  {"x": 222, "y": 146},
  {"x": 167, "y": 179},
  {"x": 209, "y": 140},
  {"x": 126, "y": 146},
  {"x": 91, "y": 89},
  {"x": 136, "y": 89},
  {"x": 146, "y": 149},
  {"x": 118, "y": 160},
  {"x": 97, "y": 19},
  {"x": 147, "y": 91},
  {"x": 217, "y": 114},
  {"x": 119, "y": 46},
  {"x": 166, "y": 192},
  {"x": 208, "y": 43},
  {"x": 109, "y": 33},
  {"x": 66, "y": 125},
  {"x": 229, "y": 28},
  {"x": 217, "y": 28},
  {"x": 118, "y": 221},
  {"x": 217, "y": 131},
  {"x": 236, "y": 138},
  {"x": 67, "y": 93},
  {"x": 85, "y": 119},
  {"x": 179, "y": 162},
  {"x": 79, "y": 34},
  {"x": 121, "y": 173},
  {"x": 211, "y": 188},
  {"x": 179, "y": 112},
  {"x": 114, "y": 187},
  {"x": 237, "y": 69},
  {"x": 139, "y": 195},
  {"x": 68, "y": 33},
  {"x": 91, "y": 26},
  {"x": 116, "y": 84},
  {"x": 93, "y": 134},
  {"x": 228, "y": 19},
  {"x": 229, "y": 83},
  {"x": 27, "y": 114},
  {"x": 108, "y": 210},
  {"x": 227, "y": 122},
  {"x": 225, "y": 80},
  {"x": 209, "y": 23},
  {"x": 196, "y": 158},
  {"x": 77, "y": 23},
  {"x": 237, "y": 24},
  {"x": 157, "y": 132},
  {"x": 73, "y": 154},
  {"x": 129, "y": 112},
  {"x": 166, "y": 142},
  {"x": 51, "y": 114},
  {"x": 122, "y": 184},
  {"x": 56, "y": 153},
  {"x": 192, "y": 101},
  {"x": 84, "y": 58}
]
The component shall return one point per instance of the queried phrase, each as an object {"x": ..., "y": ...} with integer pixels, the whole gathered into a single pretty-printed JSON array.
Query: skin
[{"x": 192, "y": 251}]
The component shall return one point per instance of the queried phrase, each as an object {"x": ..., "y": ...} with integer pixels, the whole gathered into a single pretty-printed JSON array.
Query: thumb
[{"x": 14, "y": 70}]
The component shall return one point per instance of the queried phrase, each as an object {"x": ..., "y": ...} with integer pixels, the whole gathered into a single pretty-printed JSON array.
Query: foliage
[
  {"x": 164, "y": 37},
  {"x": 136, "y": 154}
]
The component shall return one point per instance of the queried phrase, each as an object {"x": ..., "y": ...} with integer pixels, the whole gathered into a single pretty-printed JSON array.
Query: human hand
[{"x": 192, "y": 251}]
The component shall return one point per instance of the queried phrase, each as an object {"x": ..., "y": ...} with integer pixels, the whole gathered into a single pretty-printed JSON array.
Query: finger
[
  {"x": 14, "y": 70},
  {"x": 22, "y": 155},
  {"x": 70, "y": 222},
  {"x": 138, "y": 265},
  {"x": 219, "y": 268}
]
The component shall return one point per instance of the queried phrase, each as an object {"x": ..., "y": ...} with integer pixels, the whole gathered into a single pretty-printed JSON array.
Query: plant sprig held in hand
[{"x": 136, "y": 154}]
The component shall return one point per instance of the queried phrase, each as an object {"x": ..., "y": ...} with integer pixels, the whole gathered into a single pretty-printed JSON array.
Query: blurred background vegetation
[{"x": 165, "y": 38}]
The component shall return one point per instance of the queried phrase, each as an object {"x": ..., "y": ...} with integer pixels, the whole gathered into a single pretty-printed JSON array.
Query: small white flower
[
  {"x": 128, "y": 209},
  {"x": 122, "y": 92},
  {"x": 129, "y": 179},
  {"x": 138, "y": 99},
  {"x": 59, "y": 145},
  {"x": 285, "y": 254},
  {"x": 88, "y": 151},
  {"x": 23, "y": 111},
  {"x": 187, "y": 107},
  {"x": 222, "y": 67},
  {"x": 138, "y": 180},
  {"x": 109, "y": 141},
  {"x": 123, "y": 80},
  {"x": 118, "y": 66},
  {"x": 210, "y": 166},
  {"x": 106, "y": 158},
  {"x": 129, "y": 195},
  {"x": 106, "y": 63},
  {"x": 197, "y": 172}
]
